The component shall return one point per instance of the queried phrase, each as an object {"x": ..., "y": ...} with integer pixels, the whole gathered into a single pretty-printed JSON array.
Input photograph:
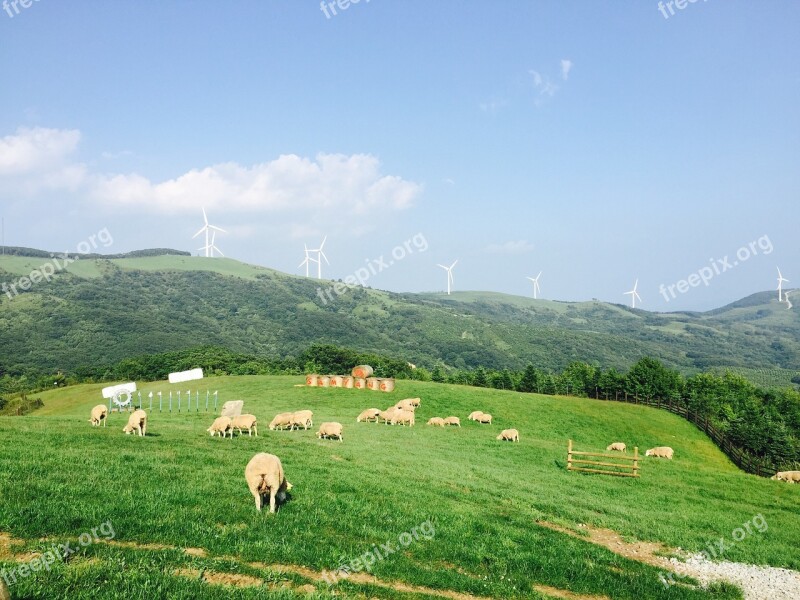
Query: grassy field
[{"x": 178, "y": 488}]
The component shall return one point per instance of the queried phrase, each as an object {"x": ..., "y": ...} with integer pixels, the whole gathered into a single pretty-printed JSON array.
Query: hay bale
[
  {"x": 359, "y": 383},
  {"x": 362, "y": 371},
  {"x": 311, "y": 380},
  {"x": 324, "y": 381},
  {"x": 232, "y": 408},
  {"x": 387, "y": 385},
  {"x": 336, "y": 381},
  {"x": 347, "y": 382},
  {"x": 374, "y": 383}
]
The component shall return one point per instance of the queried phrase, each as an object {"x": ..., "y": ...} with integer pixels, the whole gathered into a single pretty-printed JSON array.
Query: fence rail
[{"x": 622, "y": 469}]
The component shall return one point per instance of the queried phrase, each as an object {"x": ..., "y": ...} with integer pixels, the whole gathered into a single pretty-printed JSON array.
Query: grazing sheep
[
  {"x": 371, "y": 414},
  {"x": 281, "y": 421},
  {"x": 453, "y": 421},
  {"x": 302, "y": 418},
  {"x": 220, "y": 426},
  {"x": 406, "y": 405},
  {"x": 248, "y": 422},
  {"x": 790, "y": 476},
  {"x": 510, "y": 435},
  {"x": 136, "y": 422},
  {"x": 403, "y": 417},
  {"x": 330, "y": 430},
  {"x": 415, "y": 401},
  {"x": 264, "y": 475},
  {"x": 386, "y": 415},
  {"x": 99, "y": 413},
  {"x": 436, "y": 421},
  {"x": 474, "y": 415},
  {"x": 618, "y": 446},
  {"x": 485, "y": 418},
  {"x": 660, "y": 452}
]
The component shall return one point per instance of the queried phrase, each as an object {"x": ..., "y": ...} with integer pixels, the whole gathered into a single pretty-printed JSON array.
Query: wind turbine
[
  {"x": 212, "y": 248},
  {"x": 308, "y": 260},
  {"x": 209, "y": 247},
  {"x": 634, "y": 294},
  {"x": 535, "y": 281},
  {"x": 781, "y": 281},
  {"x": 449, "y": 274},
  {"x": 320, "y": 256}
]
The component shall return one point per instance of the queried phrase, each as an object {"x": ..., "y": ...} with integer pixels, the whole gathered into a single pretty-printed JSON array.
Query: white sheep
[
  {"x": 248, "y": 422},
  {"x": 136, "y": 422},
  {"x": 436, "y": 421},
  {"x": 371, "y": 414},
  {"x": 281, "y": 421},
  {"x": 302, "y": 418},
  {"x": 474, "y": 415},
  {"x": 790, "y": 476},
  {"x": 99, "y": 413},
  {"x": 453, "y": 421},
  {"x": 264, "y": 475},
  {"x": 510, "y": 435},
  {"x": 618, "y": 446},
  {"x": 406, "y": 405},
  {"x": 484, "y": 418},
  {"x": 416, "y": 402},
  {"x": 330, "y": 430},
  {"x": 386, "y": 415},
  {"x": 660, "y": 452},
  {"x": 220, "y": 426},
  {"x": 403, "y": 417}
]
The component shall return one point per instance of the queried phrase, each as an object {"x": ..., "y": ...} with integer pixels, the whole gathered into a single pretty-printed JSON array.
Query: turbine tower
[
  {"x": 634, "y": 294},
  {"x": 320, "y": 256},
  {"x": 449, "y": 274},
  {"x": 209, "y": 247},
  {"x": 212, "y": 248},
  {"x": 781, "y": 281},
  {"x": 535, "y": 281}
]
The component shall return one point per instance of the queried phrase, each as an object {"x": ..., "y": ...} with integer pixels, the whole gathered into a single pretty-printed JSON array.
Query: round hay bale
[
  {"x": 373, "y": 383},
  {"x": 359, "y": 383},
  {"x": 311, "y": 379},
  {"x": 362, "y": 371},
  {"x": 336, "y": 381},
  {"x": 387, "y": 385},
  {"x": 347, "y": 382},
  {"x": 324, "y": 381}
]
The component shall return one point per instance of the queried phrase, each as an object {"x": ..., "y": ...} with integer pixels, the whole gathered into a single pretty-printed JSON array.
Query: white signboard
[
  {"x": 186, "y": 376},
  {"x": 108, "y": 392}
]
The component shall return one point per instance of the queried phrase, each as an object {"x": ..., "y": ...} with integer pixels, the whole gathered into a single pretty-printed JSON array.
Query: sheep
[
  {"x": 415, "y": 402},
  {"x": 485, "y": 418},
  {"x": 474, "y": 415},
  {"x": 386, "y": 415},
  {"x": 660, "y": 452},
  {"x": 403, "y": 417},
  {"x": 248, "y": 422},
  {"x": 453, "y": 421},
  {"x": 371, "y": 414},
  {"x": 790, "y": 476},
  {"x": 220, "y": 426},
  {"x": 99, "y": 413},
  {"x": 510, "y": 435},
  {"x": 264, "y": 475},
  {"x": 281, "y": 421},
  {"x": 136, "y": 422},
  {"x": 618, "y": 446},
  {"x": 436, "y": 421},
  {"x": 302, "y": 418},
  {"x": 405, "y": 405},
  {"x": 330, "y": 430}
]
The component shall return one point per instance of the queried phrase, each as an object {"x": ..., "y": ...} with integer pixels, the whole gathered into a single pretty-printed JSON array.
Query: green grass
[{"x": 59, "y": 477}]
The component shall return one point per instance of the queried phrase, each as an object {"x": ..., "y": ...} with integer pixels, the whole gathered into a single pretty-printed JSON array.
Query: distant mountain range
[{"x": 101, "y": 309}]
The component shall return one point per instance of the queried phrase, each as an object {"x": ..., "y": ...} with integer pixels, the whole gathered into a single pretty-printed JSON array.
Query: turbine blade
[
  {"x": 454, "y": 263},
  {"x": 445, "y": 268},
  {"x": 199, "y": 232},
  {"x": 322, "y": 254},
  {"x": 323, "y": 242},
  {"x": 217, "y": 228},
  {"x": 205, "y": 218}
]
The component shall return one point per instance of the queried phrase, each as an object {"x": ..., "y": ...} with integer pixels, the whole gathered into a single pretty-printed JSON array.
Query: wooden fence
[{"x": 620, "y": 469}]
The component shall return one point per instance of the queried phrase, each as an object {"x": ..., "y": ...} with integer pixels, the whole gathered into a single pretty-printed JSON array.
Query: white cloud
[
  {"x": 514, "y": 247},
  {"x": 566, "y": 67},
  {"x": 36, "y": 150}
]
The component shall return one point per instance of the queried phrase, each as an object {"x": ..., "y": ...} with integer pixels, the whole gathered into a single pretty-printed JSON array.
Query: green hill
[
  {"x": 486, "y": 501},
  {"x": 99, "y": 311}
]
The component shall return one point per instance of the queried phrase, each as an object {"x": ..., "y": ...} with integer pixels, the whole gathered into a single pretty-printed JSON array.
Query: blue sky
[{"x": 596, "y": 142}]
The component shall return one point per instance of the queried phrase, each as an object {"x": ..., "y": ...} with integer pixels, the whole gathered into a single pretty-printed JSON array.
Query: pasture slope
[{"x": 185, "y": 525}]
